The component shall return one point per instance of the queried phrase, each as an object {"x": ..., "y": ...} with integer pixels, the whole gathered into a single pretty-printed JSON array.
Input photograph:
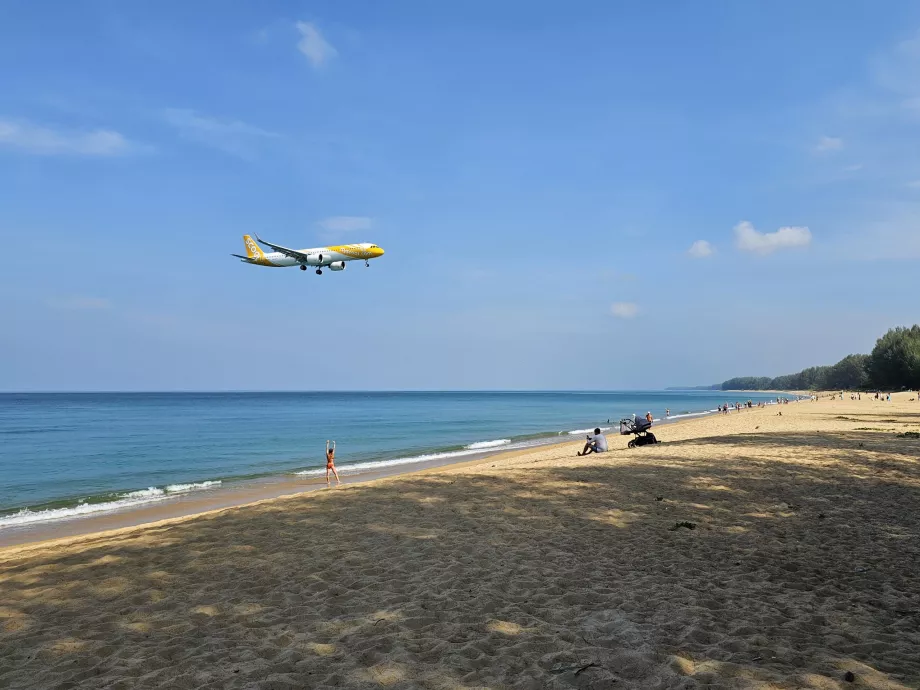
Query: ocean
[{"x": 66, "y": 455}]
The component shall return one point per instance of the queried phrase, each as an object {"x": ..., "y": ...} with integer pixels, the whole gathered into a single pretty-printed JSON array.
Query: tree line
[{"x": 893, "y": 364}]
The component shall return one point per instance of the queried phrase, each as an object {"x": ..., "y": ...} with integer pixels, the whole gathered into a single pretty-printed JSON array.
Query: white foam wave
[
  {"x": 575, "y": 432},
  {"x": 480, "y": 445},
  {"x": 129, "y": 500},
  {"x": 150, "y": 492},
  {"x": 379, "y": 464},
  {"x": 194, "y": 486},
  {"x": 688, "y": 414}
]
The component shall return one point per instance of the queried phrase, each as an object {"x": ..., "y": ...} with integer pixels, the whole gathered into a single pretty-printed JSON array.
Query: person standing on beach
[{"x": 330, "y": 463}]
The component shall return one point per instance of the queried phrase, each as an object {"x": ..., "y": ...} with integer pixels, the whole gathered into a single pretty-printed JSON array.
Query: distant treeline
[{"x": 894, "y": 364}]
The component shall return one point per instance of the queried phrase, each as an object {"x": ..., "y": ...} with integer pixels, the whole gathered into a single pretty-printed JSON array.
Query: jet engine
[{"x": 337, "y": 266}]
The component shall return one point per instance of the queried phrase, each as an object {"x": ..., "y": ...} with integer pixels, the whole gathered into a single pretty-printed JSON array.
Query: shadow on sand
[{"x": 795, "y": 571}]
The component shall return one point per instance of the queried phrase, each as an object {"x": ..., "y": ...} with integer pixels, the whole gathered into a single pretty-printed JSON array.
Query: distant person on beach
[
  {"x": 649, "y": 418},
  {"x": 330, "y": 463},
  {"x": 596, "y": 444},
  {"x": 667, "y": 413}
]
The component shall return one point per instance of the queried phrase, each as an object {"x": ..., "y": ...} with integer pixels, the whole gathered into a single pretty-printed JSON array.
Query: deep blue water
[{"x": 61, "y": 451}]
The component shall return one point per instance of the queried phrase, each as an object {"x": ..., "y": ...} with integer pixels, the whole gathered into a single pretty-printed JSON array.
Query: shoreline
[
  {"x": 58, "y": 502},
  {"x": 245, "y": 493}
]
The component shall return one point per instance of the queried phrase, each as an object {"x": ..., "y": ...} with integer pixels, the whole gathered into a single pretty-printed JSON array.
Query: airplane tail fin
[{"x": 253, "y": 251}]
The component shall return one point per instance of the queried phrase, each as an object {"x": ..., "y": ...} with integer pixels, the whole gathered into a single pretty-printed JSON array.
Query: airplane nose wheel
[
  {"x": 366, "y": 264},
  {"x": 302, "y": 267},
  {"x": 319, "y": 271}
]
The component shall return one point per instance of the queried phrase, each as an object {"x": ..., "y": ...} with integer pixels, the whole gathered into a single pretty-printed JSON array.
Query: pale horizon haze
[{"x": 592, "y": 196}]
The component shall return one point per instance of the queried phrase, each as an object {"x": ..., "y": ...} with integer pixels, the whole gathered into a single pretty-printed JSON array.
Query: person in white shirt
[{"x": 595, "y": 444}]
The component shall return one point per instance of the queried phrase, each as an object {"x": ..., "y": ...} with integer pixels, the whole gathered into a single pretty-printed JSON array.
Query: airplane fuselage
[
  {"x": 319, "y": 256},
  {"x": 333, "y": 257}
]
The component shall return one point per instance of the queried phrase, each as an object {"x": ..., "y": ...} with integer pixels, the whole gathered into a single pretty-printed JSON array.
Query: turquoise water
[{"x": 65, "y": 455}]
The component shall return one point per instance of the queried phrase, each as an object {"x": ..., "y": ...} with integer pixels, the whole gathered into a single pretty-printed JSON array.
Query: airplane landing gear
[
  {"x": 366, "y": 264},
  {"x": 302, "y": 267},
  {"x": 319, "y": 271}
]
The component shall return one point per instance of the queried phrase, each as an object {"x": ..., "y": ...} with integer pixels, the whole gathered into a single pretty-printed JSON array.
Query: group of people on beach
[{"x": 857, "y": 395}]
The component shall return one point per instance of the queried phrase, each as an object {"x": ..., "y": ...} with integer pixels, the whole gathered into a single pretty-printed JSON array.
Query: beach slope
[{"x": 751, "y": 550}]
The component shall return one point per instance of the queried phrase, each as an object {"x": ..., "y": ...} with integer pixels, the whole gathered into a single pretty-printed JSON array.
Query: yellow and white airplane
[{"x": 322, "y": 257}]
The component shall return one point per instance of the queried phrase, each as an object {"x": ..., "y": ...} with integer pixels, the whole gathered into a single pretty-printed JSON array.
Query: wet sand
[{"x": 535, "y": 570}]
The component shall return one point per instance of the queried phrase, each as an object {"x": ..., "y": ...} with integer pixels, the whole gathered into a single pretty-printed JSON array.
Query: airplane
[{"x": 333, "y": 257}]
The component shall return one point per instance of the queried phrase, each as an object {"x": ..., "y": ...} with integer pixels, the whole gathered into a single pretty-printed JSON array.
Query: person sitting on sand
[
  {"x": 330, "y": 463},
  {"x": 595, "y": 444},
  {"x": 649, "y": 418}
]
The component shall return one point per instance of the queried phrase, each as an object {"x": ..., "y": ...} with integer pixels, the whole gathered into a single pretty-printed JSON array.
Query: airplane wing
[{"x": 293, "y": 253}]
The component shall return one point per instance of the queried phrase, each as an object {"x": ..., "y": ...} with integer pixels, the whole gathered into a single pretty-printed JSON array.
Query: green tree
[
  {"x": 895, "y": 359},
  {"x": 747, "y": 383},
  {"x": 848, "y": 374}
]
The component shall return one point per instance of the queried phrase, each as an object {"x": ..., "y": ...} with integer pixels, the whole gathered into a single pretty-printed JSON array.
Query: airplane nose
[{"x": 378, "y": 252}]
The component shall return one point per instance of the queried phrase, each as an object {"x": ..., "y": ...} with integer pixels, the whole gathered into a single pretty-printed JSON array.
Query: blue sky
[{"x": 599, "y": 195}]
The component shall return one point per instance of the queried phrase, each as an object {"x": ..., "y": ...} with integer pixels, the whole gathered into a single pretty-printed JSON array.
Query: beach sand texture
[{"x": 532, "y": 570}]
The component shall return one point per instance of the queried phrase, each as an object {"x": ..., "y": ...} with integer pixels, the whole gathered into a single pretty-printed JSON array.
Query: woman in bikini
[{"x": 330, "y": 463}]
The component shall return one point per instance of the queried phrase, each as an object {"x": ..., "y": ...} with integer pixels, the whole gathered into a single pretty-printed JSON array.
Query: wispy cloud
[
  {"x": 826, "y": 144},
  {"x": 611, "y": 274},
  {"x": 700, "y": 249},
  {"x": 914, "y": 184},
  {"x": 230, "y": 136},
  {"x": 312, "y": 44},
  {"x": 896, "y": 70},
  {"x": 79, "y": 302},
  {"x": 890, "y": 235},
  {"x": 624, "y": 310},
  {"x": 748, "y": 239},
  {"x": 45, "y": 141},
  {"x": 853, "y": 168},
  {"x": 346, "y": 223}
]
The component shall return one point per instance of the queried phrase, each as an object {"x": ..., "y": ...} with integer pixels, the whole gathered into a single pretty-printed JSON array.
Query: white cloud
[
  {"x": 853, "y": 168},
  {"x": 346, "y": 223},
  {"x": 624, "y": 310},
  {"x": 313, "y": 45},
  {"x": 79, "y": 302},
  {"x": 700, "y": 249},
  {"x": 914, "y": 184},
  {"x": 44, "y": 141},
  {"x": 230, "y": 136},
  {"x": 826, "y": 144},
  {"x": 749, "y": 239}
]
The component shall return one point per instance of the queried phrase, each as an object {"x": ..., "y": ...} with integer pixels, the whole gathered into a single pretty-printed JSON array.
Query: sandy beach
[{"x": 750, "y": 550}]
